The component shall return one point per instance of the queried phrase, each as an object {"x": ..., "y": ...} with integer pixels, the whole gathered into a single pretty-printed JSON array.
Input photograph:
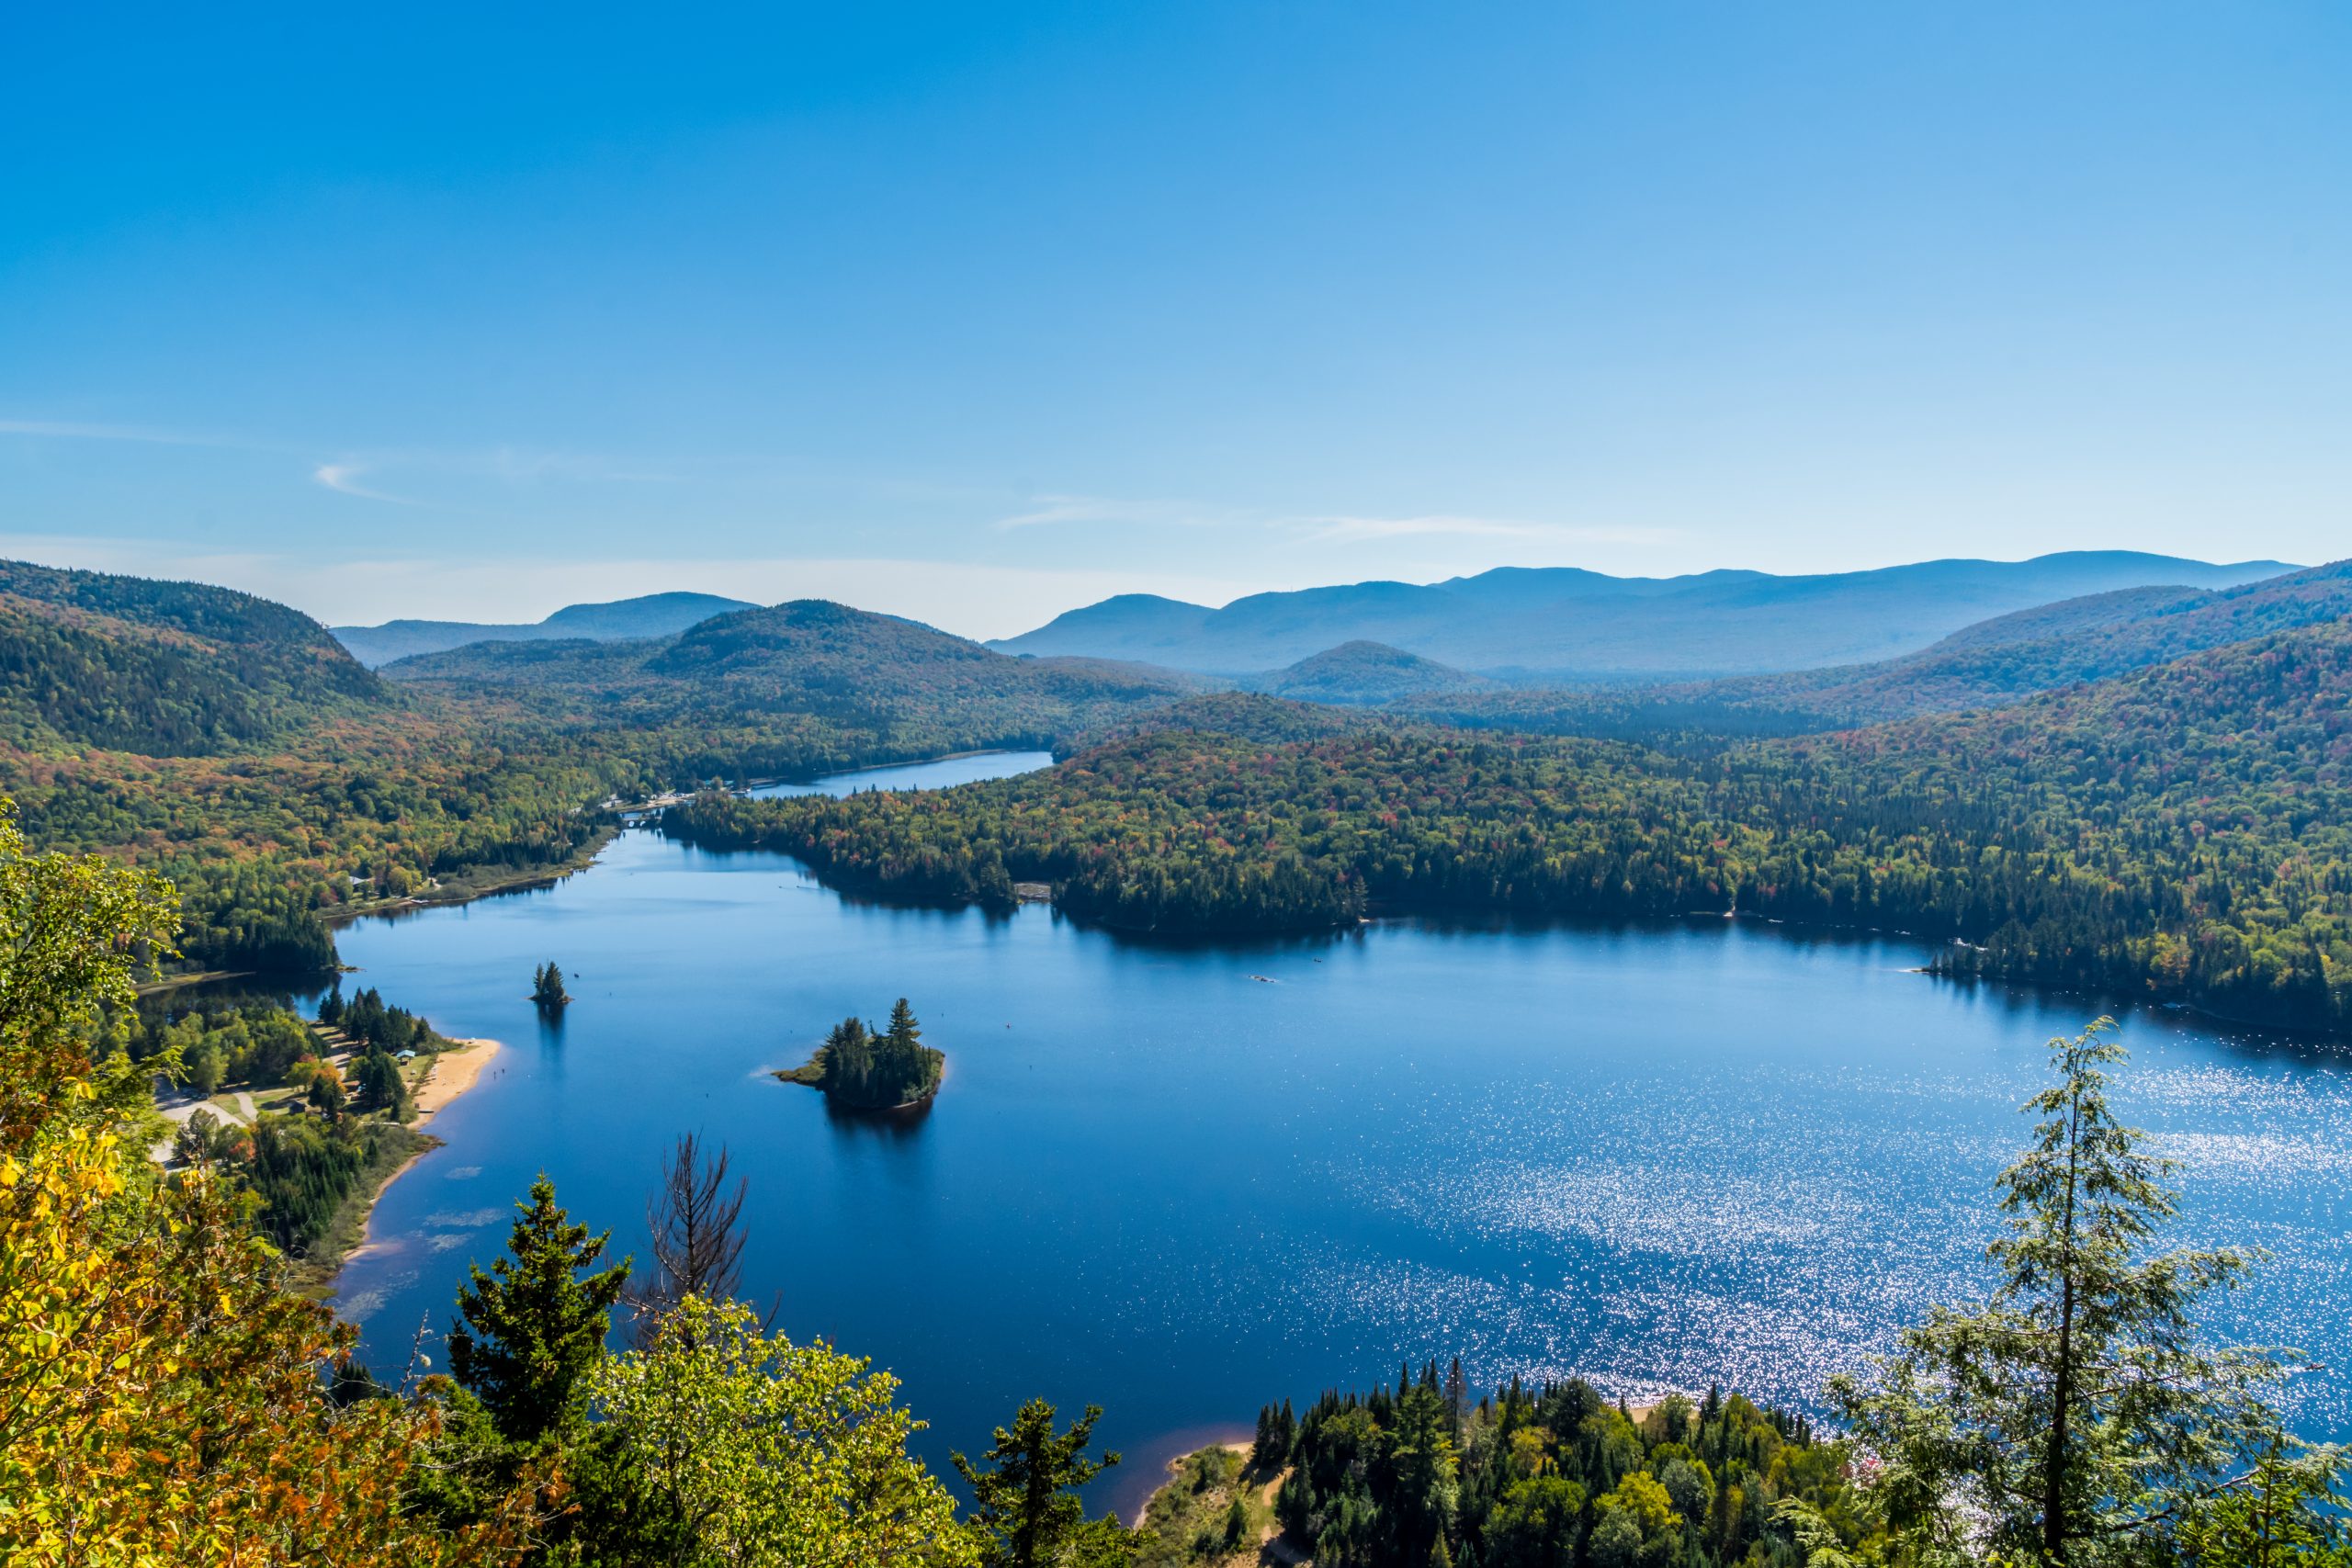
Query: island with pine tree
[
  {"x": 865, "y": 1068},
  {"x": 546, "y": 987}
]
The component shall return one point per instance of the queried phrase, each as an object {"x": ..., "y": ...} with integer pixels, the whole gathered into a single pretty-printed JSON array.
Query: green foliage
[
  {"x": 2183, "y": 832},
  {"x": 535, "y": 1323},
  {"x": 1554, "y": 1477},
  {"x": 764, "y": 1452},
  {"x": 376, "y": 1027},
  {"x": 168, "y": 668},
  {"x": 1025, "y": 1509},
  {"x": 2288, "y": 1514},
  {"x": 875, "y": 1069},
  {"x": 547, "y": 986},
  {"x": 2074, "y": 1418},
  {"x": 903, "y": 689},
  {"x": 278, "y": 782},
  {"x": 250, "y": 1041},
  {"x": 304, "y": 1170}
]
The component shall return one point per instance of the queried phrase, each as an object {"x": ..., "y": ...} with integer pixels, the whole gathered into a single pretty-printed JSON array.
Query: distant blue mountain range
[
  {"x": 654, "y": 615},
  {"x": 1565, "y": 621}
]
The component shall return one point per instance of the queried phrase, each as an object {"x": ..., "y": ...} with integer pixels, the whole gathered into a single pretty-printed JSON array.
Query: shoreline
[
  {"x": 439, "y": 1090},
  {"x": 465, "y": 891},
  {"x": 453, "y": 1073}
]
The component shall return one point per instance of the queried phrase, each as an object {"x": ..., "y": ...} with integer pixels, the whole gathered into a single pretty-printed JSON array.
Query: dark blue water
[{"x": 1180, "y": 1180}]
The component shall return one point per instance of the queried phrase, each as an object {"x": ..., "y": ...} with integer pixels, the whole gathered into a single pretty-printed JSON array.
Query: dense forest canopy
[
  {"x": 168, "y": 668},
  {"x": 2183, "y": 831},
  {"x": 2174, "y": 828},
  {"x": 233, "y": 745},
  {"x": 917, "y": 690}
]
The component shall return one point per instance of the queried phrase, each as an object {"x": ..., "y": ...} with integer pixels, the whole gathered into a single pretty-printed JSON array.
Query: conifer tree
[
  {"x": 1026, "y": 1510},
  {"x": 536, "y": 1322},
  {"x": 2074, "y": 1419}
]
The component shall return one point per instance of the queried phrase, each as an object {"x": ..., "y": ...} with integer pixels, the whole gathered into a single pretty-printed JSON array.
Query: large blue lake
[{"x": 1180, "y": 1180}]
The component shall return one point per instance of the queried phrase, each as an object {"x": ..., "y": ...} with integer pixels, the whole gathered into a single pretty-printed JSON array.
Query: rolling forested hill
[
  {"x": 169, "y": 669},
  {"x": 2170, "y": 817},
  {"x": 2185, "y": 830},
  {"x": 914, "y": 690},
  {"x": 233, "y": 745},
  {"x": 1365, "y": 673}
]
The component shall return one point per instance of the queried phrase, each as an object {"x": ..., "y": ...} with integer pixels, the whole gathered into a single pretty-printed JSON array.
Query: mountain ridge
[
  {"x": 646, "y": 614},
  {"x": 1570, "y": 621}
]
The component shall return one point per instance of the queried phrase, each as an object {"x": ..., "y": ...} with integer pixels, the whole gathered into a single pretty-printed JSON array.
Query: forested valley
[
  {"x": 2175, "y": 830},
  {"x": 2182, "y": 831},
  {"x": 231, "y": 744}
]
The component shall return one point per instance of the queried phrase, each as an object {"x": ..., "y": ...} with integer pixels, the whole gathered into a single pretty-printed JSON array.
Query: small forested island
[
  {"x": 874, "y": 1069},
  {"x": 546, "y": 987}
]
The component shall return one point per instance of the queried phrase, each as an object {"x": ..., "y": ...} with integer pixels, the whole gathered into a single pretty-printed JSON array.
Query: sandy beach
[{"x": 453, "y": 1072}]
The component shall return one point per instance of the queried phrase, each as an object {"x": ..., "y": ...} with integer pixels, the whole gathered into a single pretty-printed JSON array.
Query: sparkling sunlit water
[{"x": 1178, "y": 1180}]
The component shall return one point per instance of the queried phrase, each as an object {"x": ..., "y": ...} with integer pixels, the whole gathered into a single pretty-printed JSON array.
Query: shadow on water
[{"x": 897, "y": 1124}]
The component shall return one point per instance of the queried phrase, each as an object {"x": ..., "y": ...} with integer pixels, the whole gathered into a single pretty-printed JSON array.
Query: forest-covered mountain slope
[
  {"x": 2182, "y": 831},
  {"x": 924, "y": 690},
  {"x": 169, "y": 669},
  {"x": 650, "y": 615},
  {"x": 231, "y": 744},
  {"x": 1365, "y": 672},
  {"x": 1565, "y": 621}
]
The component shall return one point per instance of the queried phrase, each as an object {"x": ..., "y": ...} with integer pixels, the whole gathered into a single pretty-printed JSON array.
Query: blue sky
[{"x": 979, "y": 313}]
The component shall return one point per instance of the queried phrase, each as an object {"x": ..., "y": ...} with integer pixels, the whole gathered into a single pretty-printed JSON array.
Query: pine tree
[
  {"x": 1025, "y": 1507},
  {"x": 2074, "y": 1419},
  {"x": 536, "y": 1322}
]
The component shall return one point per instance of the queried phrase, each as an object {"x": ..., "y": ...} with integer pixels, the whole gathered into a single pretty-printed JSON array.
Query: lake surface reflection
[{"x": 1179, "y": 1180}]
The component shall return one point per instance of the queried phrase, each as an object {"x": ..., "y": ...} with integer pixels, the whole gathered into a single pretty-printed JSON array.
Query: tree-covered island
[
  {"x": 546, "y": 987},
  {"x": 866, "y": 1068}
]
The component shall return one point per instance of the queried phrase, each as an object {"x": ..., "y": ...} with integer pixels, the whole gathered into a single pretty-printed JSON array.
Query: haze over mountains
[
  {"x": 1567, "y": 621},
  {"x": 653, "y": 614}
]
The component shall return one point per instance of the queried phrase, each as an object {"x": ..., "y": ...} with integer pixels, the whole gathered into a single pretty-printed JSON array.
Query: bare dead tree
[{"x": 696, "y": 1223}]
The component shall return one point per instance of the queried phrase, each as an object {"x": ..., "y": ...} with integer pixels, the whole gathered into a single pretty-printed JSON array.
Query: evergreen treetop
[{"x": 536, "y": 1322}]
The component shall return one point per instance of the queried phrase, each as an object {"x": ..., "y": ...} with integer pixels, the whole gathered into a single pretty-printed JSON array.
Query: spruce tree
[
  {"x": 1025, "y": 1509},
  {"x": 537, "y": 1322},
  {"x": 2074, "y": 1419}
]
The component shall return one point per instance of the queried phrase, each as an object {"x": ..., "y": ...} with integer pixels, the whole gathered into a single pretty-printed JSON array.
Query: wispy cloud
[
  {"x": 1050, "y": 509},
  {"x": 75, "y": 430},
  {"x": 514, "y": 465},
  {"x": 344, "y": 479},
  {"x": 1450, "y": 525}
]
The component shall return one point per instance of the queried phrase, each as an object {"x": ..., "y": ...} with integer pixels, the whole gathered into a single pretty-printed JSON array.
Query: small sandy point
[{"x": 453, "y": 1072}]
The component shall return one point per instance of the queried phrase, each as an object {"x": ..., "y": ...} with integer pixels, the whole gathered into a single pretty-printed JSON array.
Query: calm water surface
[{"x": 1179, "y": 1180}]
